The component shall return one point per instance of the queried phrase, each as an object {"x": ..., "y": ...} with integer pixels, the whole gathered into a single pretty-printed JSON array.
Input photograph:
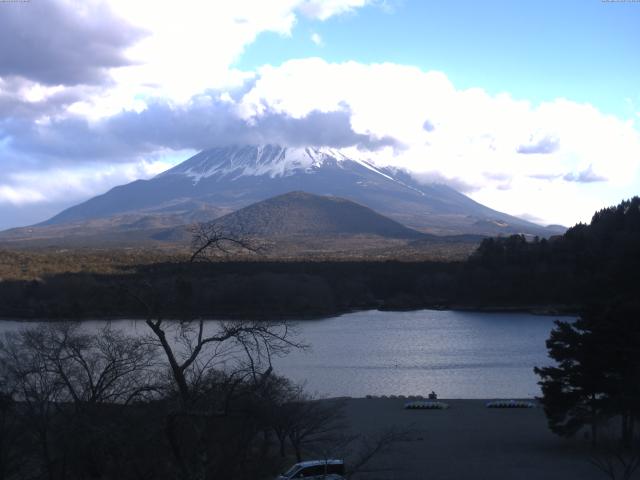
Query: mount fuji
[{"x": 222, "y": 180}]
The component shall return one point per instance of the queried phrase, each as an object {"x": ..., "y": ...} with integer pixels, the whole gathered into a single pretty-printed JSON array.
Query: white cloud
[
  {"x": 317, "y": 39},
  {"x": 537, "y": 149},
  {"x": 552, "y": 159},
  {"x": 192, "y": 46},
  {"x": 323, "y": 9},
  {"x": 20, "y": 194},
  {"x": 72, "y": 184}
]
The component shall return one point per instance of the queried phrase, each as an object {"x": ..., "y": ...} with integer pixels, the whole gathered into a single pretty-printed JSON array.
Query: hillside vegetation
[
  {"x": 300, "y": 213},
  {"x": 598, "y": 262},
  {"x": 590, "y": 263}
]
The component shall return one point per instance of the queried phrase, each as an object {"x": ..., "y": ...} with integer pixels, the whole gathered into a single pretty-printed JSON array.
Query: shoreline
[
  {"x": 408, "y": 398},
  {"x": 539, "y": 310}
]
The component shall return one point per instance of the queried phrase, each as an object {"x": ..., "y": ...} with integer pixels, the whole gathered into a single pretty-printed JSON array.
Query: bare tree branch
[{"x": 209, "y": 239}]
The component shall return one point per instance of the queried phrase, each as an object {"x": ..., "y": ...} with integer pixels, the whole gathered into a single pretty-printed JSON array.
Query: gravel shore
[{"x": 470, "y": 441}]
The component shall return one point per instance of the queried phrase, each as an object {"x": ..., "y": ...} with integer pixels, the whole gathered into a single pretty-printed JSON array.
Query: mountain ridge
[
  {"x": 233, "y": 177},
  {"x": 302, "y": 213}
]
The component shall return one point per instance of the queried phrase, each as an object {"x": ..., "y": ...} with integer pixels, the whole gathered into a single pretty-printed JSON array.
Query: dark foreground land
[
  {"x": 470, "y": 441},
  {"x": 273, "y": 290},
  {"x": 599, "y": 262}
]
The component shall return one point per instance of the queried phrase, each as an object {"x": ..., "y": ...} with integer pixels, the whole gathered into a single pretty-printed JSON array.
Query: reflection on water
[{"x": 456, "y": 354}]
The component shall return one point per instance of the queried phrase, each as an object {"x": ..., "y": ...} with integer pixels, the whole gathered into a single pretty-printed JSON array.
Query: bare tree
[
  {"x": 369, "y": 450},
  {"x": 63, "y": 379},
  {"x": 614, "y": 458},
  {"x": 211, "y": 239},
  {"x": 193, "y": 349},
  {"x": 107, "y": 366},
  {"x": 191, "y": 346},
  {"x": 38, "y": 390},
  {"x": 312, "y": 422},
  {"x": 244, "y": 347},
  {"x": 12, "y": 460},
  {"x": 616, "y": 464},
  {"x": 211, "y": 362}
]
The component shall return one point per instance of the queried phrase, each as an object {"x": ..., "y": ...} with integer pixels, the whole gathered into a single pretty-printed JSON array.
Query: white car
[{"x": 315, "y": 470}]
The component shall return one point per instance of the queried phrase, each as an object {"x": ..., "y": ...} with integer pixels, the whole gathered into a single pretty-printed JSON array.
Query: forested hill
[
  {"x": 598, "y": 262},
  {"x": 589, "y": 264}
]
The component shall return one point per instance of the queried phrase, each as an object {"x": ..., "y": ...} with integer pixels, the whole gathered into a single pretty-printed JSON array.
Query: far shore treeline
[{"x": 589, "y": 264}]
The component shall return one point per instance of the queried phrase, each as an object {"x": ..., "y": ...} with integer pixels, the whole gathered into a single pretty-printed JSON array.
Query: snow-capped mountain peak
[
  {"x": 232, "y": 177},
  {"x": 268, "y": 160}
]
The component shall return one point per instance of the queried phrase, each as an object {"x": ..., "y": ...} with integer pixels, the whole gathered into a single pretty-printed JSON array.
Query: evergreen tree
[
  {"x": 573, "y": 390},
  {"x": 597, "y": 372},
  {"x": 617, "y": 329}
]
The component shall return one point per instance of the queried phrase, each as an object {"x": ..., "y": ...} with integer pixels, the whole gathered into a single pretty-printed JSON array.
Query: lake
[{"x": 455, "y": 354}]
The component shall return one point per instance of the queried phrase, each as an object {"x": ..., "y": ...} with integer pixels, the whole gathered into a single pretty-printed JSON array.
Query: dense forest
[
  {"x": 592, "y": 387},
  {"x": 589, "y": 263}
]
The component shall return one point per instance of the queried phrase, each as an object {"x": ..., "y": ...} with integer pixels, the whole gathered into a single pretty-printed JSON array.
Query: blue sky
[
  {"x": 581, "y": 50},
  {"x": 532, "y": 108}
]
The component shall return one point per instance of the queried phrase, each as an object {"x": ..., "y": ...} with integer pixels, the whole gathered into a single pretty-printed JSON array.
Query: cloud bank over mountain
[{"x": 121, "y": 90}]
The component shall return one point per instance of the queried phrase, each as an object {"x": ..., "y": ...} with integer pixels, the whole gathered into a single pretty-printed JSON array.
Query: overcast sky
[{"x": 532, "y": 108}]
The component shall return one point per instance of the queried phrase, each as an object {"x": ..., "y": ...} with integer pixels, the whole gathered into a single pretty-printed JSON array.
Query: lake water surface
[{"x": 456, "y": 354}]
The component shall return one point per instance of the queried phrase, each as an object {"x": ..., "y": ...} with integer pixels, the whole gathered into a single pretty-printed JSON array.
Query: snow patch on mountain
[{"x": 265, "y": 160}]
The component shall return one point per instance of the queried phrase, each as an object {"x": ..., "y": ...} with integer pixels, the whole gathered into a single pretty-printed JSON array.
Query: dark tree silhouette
[
  {"x": 574, "y": 390},
  {"x": 240, "y": 352},
  {"x": 615, "y": 460},
  {"x": 211, "y": 239},
  {"x": 65, "y": 391},
  {"x": 597, "y": 373}
]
